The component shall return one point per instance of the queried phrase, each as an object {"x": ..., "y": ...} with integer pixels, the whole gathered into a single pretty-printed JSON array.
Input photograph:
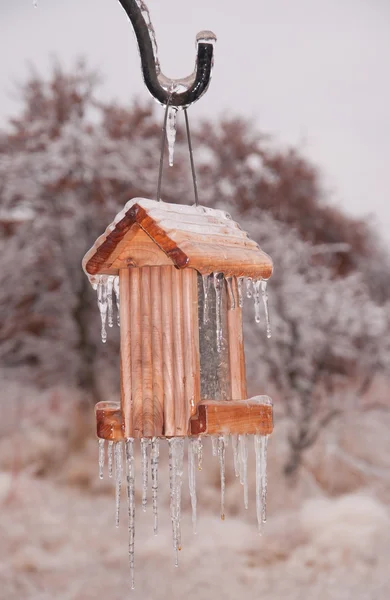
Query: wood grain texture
[
  {"x": 125, "y": 351},
  {"x": 167, "y": 338},
  {"x": 232, "y": 417},
  {"x": 191, "y": 342},
  {"x": 147, "y": 364},
  {"x": 181, "y": 421},
  {"x": 136, "y": 354},
  {"x": 109, "y": 423},
  {"x": 157, "y": 350},
  {"x": 236, "y": 349}
]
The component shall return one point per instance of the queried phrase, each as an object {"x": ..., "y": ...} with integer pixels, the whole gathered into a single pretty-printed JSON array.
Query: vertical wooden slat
[
  {"x": 167, "y": 334},
  {"x": 236, "y": 350},
  {"x": 157, "y": 350},
  {"x": 191, "y": 341},
  {"x": 136, "y": 351},
  {"x": 178, "y": 353},
  {"x": 146, "y": 340},
  {"x": 125, "y": 350}
]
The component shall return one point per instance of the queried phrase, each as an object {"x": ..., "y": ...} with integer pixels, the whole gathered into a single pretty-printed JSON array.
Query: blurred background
[{"x": 292, "y": 139}]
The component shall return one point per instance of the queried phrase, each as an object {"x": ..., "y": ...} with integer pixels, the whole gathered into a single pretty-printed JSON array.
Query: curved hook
[{"x": 179, "y": 92}]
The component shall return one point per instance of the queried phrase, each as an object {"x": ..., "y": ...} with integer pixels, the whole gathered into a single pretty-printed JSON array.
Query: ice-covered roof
[{"x": 203, "y": 238}]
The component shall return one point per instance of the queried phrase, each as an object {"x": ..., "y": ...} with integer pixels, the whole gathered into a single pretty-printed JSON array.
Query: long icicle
[
  {"x": 154, "y": 460},
  {"x": 110, "y": 305},
  {"x": 200, "y": 453},
  {"x": 102, "y": 452},
  {"x": 256, "y": 298},
  {"x": 236, "y": 455},
  {"x": 242, "y": 439},
  {"x": 131, "y": 504},
  {"x": 192, "y": 453},
  {"x": 218, "y": 286},
  {"x": 118, "y": 479},
  {"x": 102, "y": 304},
  {"x": 145, "y": 471},
  {"x": 117, "y": 300},
  {"x": 110, "y": 449},
  {"x": 206, "y": 287},
  {"x": 176, "y": 455},
  {"x": 221, "y": 457},
  {"x": 264, "y": 295},
  {"x": 240, "y": 282},
  {"x": 214, "y": 445}
]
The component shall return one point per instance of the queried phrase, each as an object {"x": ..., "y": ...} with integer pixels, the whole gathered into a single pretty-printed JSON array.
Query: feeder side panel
[
  {"x": 215, "y": 382},
  {"x": 236, "y": 350},
  {"x": 136, "y": 353},
  {"x": 178, "y": 353},
  {"x": 191, "y": 341},
  {"x": 125, "y": 351},
  {"x": 147, "y": 365},
  {"x": 157, "y": 350},
  {"x": 167, "y": 335}
]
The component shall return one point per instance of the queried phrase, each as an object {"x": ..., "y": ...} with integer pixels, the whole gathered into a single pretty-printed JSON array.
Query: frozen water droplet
[
  {"x": 118, "y": 479},
  {"x": 218, "y": 285},
  {"x": 248, "y": 287},
  {"x": 232, "y": 300},
  {"x": 261, "y": 442},
  {"x": 171, "y": 132},
  {"x": 102, "y": 304},
  {"x": 109, "y": 456},
  {"x": 176, "y": 456},
  {"x": 117, "y": 299},
  {"x": 145, "y": 471},
  {"x": 154, "y": 460},
  {"x": 221, "y": 457},
  {"x": 102, "y": 452},
  {"x": 192, "y": 455},
  {"x": 236, "y": 455},
  {"x": 206, "y": 287},
  {"x": 256, "y": 299},
  {"x": 264, "y": 294},
  {"x": 131, "y": 503},
  {"x": 242, "y": 440},
  {"x": 240, "y": 281}
]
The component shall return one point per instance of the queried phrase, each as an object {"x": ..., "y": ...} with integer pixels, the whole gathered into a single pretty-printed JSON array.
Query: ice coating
[
  {"x": 218, "y": 287},
  {"x": 240, "y": 283},
  {"x": 101, "y": 445},
  {"x": 145, "y": 471},
  {"x": 117, "y": 299},
  {"x": 171, "y": 132},
  {"x": 102, "y": 304},
  {"x": 206, "y": 287},
  {"x": 248, "y": 287},
  {"x": 242, "y": 440},
  {"x": 264, "y": 295},
  {"x": 192, "y": 456},
  {"x": 256, "y": 299},
  {"x": 110, "y": 306},
  {"x": 154, "y": 461},
  {"x": 176, "y": 457},
  {"x": 110, "y": 448},
  {"x": 200, "y": 453},
  {"x": 261, "y": 443},
  {"x": 118, "y": 479},
  {"x": 232, "y": 300},
  {"x": 221, "y": 458},
  {"x": 214, "y": 445},
  {"x": 130, "y": 470}
]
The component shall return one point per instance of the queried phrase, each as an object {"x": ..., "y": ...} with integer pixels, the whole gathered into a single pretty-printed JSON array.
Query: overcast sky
[{"x": 314, "y": 73}]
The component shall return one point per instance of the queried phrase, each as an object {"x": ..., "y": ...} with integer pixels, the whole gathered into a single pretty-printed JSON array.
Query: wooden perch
[
  {"x": 109, "y": 421},
  {"x": 232, "y": 417}
]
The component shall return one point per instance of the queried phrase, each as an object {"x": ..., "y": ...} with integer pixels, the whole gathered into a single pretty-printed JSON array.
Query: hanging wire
[
  {"x": 163, "y": 136},
  {"x": 191, "y": 158}
]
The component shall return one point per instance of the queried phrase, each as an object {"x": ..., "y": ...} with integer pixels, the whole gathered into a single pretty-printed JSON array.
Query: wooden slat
[
  {"x": 181, "y": 422},
  {"x": 157, "y": 351},
  {"x": 136, "y": 353},
  {"x": 167, "y": 334},
  {"x": 191, "y": 348},
  {"x": 232, "y": 417},
  {"x": 146, "y": 342},
  {"x": 125, "y": 350},
  {"x": 236, "y": 349},
  {"x": 109, "y": 423}
]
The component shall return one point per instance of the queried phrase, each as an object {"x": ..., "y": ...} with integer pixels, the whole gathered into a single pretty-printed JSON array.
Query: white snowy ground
[{"x": 328, "y": 537}]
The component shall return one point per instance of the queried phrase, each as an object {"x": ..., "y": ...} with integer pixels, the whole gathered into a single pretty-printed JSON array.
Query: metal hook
[{"x": 178, "y": 92}]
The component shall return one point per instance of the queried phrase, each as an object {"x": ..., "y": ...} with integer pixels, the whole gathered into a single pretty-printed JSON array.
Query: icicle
[
  {"x": 256, "y": 298},
  {"x": 192, "y": 452},
  {"x": 109, "y": 455},
  {"x": 200, "y": 453},
  {"x": 248, "y": 287},
  {"x": 236, "y": 455},
  {"x": 117, "y": 299},
  {"x": 221, "y": 456},
  {"x": 110, "y": 306},
  {"x": 218, "y": 283},
  {"x": 154, "y": 459},
  {"x": 206, "y": 286},
  {"x": 176, "y": 455},
  {"x": 131, "y": 503},
  {"x": 261, "y": 442},
  {"x": 232, "y": 300},
  {"x": 145, "y": 467},
  {"x": 101, "y": 457},
  {"x": 102, "y": 304},
  {"x": 265, "y": 302},
  {"x": 171, "y": 132},
  {"x": 244, "y": 466},
  {"x": 214, "y": 444},
  {"x": 240, "y": 281},
  {"x": 118, "y": 479}
]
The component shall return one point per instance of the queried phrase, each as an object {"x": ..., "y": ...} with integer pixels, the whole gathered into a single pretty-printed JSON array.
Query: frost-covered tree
[{"x": 68, "y": 163}]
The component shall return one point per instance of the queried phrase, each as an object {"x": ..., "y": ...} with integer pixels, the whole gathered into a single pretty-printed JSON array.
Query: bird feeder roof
[{"x": 152, "y": 233}]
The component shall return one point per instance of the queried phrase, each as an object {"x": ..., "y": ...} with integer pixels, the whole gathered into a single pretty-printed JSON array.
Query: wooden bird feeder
[{"x": 181, "y": 271}]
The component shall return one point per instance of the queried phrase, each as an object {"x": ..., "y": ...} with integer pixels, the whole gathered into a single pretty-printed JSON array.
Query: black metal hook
[{"x": 179, "y": 92}]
